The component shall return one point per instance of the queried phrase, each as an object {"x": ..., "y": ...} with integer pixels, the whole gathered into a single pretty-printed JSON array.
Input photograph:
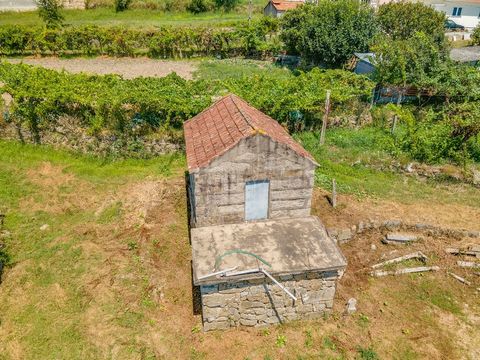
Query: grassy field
[
  {"x": 145, "y": 18},
  {"x": 109, "y": 277}
]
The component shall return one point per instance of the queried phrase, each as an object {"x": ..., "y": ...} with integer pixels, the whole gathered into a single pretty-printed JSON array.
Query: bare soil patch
[
  {"x": 350, "y": 210},
  {"x": 128, "y": 68},
  {"x": 137, "y": 301}
]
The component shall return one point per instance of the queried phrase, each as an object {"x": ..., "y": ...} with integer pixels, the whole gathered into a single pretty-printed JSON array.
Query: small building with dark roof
[{"x": 259, "y": 257}]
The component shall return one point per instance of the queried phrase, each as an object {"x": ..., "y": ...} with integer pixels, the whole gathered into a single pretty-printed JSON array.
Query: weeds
[
  {"x": 367, "y": 354},
  {"x": 281, "y": 341}
]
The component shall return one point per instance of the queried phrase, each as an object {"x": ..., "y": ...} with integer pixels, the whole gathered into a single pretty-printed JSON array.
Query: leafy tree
[
  {"x": 401, "y": 20},
  {"x": 198, "y": 6},
  {"x": 415, "y": 61},
  {"x": 226, "y": 5},
  {"x": 330, "y": 32},
  {"x": 49, "y": 11},
  {"x": 121, "y": 5},
  {"x": 476, "y": 35}
]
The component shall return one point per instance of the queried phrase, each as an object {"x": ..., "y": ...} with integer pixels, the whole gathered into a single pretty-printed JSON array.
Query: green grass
[
  {"x": 361, "y": 166},
  {"x": 237, "y": 68},
  {"x": 46, "y": 301},
  {"x": 47, "y": 318},
  {"x": 16, "y": 156},
  {"x": 138, "y": 18}
]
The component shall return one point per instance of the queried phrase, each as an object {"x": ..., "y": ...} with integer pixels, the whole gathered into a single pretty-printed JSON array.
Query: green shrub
[
  {"x": 255, "y": 40},
  {"x": 226, "y": 5},
  {"x": 476, "y": 35},
  {"x": 330, "y": 32},
  {"x": 49, "y": 11},
  {"x": 401, "y": 20},
  {"x": 121, "y": 5},
  {"x": 139, "y": 107},
  {"x": 198, "y": 6}
]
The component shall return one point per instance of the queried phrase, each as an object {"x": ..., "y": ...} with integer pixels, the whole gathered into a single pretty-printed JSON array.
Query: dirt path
[{"x": 129, "y": 68}]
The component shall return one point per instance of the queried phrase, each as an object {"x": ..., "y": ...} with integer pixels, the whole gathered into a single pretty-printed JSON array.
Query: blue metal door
[{"x": 256, "y": 199}]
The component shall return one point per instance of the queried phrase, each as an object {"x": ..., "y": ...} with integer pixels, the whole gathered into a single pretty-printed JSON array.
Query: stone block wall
[
  {"x": 219, "y": 188},
  {"x": 260, "y": 302}
]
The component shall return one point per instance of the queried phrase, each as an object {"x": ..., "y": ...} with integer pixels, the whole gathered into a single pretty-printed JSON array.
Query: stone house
[{"x": 259, "y": 257}]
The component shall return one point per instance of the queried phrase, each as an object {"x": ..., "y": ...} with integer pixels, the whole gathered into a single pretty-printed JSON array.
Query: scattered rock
[
  {"x": 476, "y": 177},
  {"x": 345, "y": 235},
  {"x": 392, "y": 224},
  {"x": 44, "y": 227},
  {"x": 395, "y": 238},
  {"x": 351, "y": 306},
  {"x": 373, "y": 247}
]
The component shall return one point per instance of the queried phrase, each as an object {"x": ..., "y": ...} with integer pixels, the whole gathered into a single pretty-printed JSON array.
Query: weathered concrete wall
[
  {"x": 220, "y": 187},
  {"x": 260, "y": 302}
]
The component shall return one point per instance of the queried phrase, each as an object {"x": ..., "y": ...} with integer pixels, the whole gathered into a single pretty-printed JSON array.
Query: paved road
[{"x": 17, "y": 5}]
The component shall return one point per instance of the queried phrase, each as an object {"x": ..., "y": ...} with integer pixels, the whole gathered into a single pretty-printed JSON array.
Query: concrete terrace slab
[{"x": 291, "y": 246}]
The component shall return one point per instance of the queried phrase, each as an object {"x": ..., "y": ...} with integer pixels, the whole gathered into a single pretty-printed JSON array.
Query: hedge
[{"x": 256, "y": 40}]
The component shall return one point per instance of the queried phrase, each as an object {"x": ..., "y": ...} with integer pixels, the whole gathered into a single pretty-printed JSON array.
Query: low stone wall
[
  {"x": 69, "y": 133},
  {"x": 343, "y": 235},
  {"x": 260, "y": 302}
]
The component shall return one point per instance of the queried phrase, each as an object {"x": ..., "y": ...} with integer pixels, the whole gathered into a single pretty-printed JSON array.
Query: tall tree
[
  {"x": 330, "y": 32},
  {"x": 414, "y": 61},
  {"x": 401, "y": 20},
  {"x": 49, "y": 11}
]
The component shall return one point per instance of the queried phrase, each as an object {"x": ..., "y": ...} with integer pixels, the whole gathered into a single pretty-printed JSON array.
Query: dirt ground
[
  {"x": 127, "y": 67},
  {"x": 350, "y": 210},
  {"x": 136, "y": 299}
]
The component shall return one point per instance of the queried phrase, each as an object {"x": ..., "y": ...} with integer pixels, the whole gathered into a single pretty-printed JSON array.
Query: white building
[
  {"x": 463, "y": 12},
  {"x": 29, "y": 5}
]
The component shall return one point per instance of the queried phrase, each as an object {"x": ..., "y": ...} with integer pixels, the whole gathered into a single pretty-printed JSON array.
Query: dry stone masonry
[
  {"x": 220, "y": 187},
  {"x": 258, "y": 255},
  {"x": 260, "y": 302}
]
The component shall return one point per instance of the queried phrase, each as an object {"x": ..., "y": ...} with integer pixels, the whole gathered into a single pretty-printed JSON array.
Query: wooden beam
[
  {"x": 415, "y": 255},
  {"x": 379, "y": 273}
]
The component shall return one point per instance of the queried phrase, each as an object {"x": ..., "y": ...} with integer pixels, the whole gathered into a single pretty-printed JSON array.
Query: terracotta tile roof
[
  {"x": 286, "y": 5},
  {"x": 221, "y": 126}
]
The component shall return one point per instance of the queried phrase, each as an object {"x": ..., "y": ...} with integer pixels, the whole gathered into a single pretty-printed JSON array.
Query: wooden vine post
[
  {"x": 334, "y": 193},
  {"x": 395, "y": 117},
  {"x": 325, "y": 118}
]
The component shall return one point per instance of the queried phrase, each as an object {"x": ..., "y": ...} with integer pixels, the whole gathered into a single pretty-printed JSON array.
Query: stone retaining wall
[
  {"x": 260, "y": 302},
  {"x": 69, "y": 133},
  {"x": 343, "y": 235}
]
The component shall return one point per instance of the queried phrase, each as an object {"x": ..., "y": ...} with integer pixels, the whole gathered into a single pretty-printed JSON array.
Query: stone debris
[
  {"x": 351, "y": 306},
  {"x": 473, "y": 250},
  {"x": 468, "y": 264},
  {"x": 416, "y": 255},
  {"x": 476, "y": 177},
  {"x": 348, "y": 233},
  {"x": 44, "y": 227},
  {"x": 397, "y": 238},
  {"x": 459, "y": 278},
  {"x": 379, "y": 273},
  {"x": 373, "y": 247}
]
